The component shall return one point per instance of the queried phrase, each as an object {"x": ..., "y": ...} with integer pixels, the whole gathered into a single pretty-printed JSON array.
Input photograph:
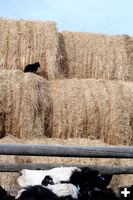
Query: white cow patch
[
  {"x": 35, "y": 177},
  {"x": 62, "y": 190}
]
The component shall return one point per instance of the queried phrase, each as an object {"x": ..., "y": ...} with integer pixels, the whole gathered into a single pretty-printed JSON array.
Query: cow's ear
[{"x": 103, "y": 180}]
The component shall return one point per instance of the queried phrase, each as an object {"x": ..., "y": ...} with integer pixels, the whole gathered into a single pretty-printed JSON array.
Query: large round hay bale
[
  {"x": 100, "y": 56},
  {"x": 25, "y": 104},
  {"x": 24, "y": 42},
  {"x": 93, "y": 109}
]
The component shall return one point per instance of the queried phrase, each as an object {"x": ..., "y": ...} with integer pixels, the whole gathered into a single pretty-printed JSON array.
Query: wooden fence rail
[
  {"x": 102, "y": 169},
  {"x": 66, "y": 151}
]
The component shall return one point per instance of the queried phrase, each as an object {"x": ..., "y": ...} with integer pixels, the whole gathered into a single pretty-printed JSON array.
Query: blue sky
[{"x": 102, "y": 16}]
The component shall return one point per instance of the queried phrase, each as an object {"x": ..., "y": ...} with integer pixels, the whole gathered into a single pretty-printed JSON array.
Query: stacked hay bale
[
  {"x": 25, "y": 104},
  {"x": 93, "y": 109},
  {"x": 32, "y": 107},
  {"x": 65, "y": 54},
  {"x": 97, "y": 56},
  {"x": 23, "y": 42}
]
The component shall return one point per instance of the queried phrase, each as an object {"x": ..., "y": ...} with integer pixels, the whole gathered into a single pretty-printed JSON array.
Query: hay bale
[
  {"x": 24, "y": 104},
  {"x": 24, "y": 42},
  {"x": 97, "y": 56},
  {"x": 93, "y": 109},
  {"x": 65, "y": 54}
]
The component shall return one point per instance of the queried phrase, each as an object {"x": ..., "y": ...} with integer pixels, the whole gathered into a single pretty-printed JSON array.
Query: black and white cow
[
  {"x": 36, "y": 177},
  {"x": 86, "y": 180},
  {"x": 70, "y": 183},
  {"x": 52, "y": 192},
  {"x": 82, "y": 178}
]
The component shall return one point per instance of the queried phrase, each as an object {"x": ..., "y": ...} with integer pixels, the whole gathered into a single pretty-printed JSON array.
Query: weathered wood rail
[{"x": 66, "y": 151}]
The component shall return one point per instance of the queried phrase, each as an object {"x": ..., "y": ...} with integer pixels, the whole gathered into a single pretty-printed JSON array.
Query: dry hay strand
[
  {"x": 25, "y": 104},
  {"x": 93, "y": 109},
  {"x": 23, "y": 42},
  {"x": 99, "y": 56}
]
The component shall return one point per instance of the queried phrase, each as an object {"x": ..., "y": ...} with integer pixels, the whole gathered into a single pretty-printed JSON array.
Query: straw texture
[
  {"x": 25, "y": 42},
  {"x": 93, "y": 109},
  {"x": 24, "y": 104},
  {"x": 99, "y": 56}
]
